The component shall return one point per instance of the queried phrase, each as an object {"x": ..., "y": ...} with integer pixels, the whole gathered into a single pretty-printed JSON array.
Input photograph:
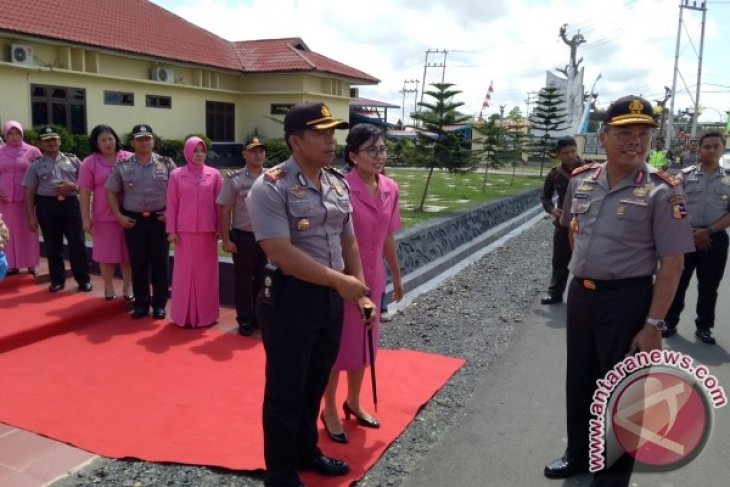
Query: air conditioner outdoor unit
[
  {"x": 20, "y": 54},
  {"x": 165, "y": 75}
]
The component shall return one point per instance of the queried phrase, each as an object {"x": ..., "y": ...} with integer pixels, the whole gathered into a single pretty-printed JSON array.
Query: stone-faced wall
[{"x": 422, "y": 244}]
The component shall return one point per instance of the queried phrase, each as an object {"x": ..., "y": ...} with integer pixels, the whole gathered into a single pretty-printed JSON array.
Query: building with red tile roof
[{"x": 79, "y": 63}]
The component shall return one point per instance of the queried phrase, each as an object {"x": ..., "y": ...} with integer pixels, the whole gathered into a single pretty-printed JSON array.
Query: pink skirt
[
  {"x": 109, "y": 246},
  {"x": 354, "y": 353},
  {"x": 195, "y": 280},
  {"x": 23, "y": 249}
]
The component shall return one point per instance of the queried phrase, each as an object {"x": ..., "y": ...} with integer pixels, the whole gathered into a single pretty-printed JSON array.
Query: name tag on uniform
[
  {"x": 641, "y": 203},
  {"x": 581, "y": 196}
]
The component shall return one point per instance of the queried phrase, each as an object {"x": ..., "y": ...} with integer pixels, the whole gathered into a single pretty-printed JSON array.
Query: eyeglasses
[
  {"x": 628, "y": 135},
  {"x": 374, "y": 151}
]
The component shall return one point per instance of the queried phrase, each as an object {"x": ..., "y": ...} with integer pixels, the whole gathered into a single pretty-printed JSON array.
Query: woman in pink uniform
[
  {"x": 23, "y": 251},
  {"x": 109, "y": 247},
  {"x": 192, "y": 226},
  {"x": 375, "y": 216}
]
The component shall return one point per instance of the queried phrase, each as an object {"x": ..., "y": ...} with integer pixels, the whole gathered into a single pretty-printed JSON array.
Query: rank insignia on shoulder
[
  {"x": 334, "y": 171},
  {"x": 679, "y": 210},
  {"x": 689, "y": 169},
  {"x": 232, "y": 173},
  {"x": 670, "y": 180},
  {"x": 725, "y": 180},
  {"x": 274, "y": 174},
  {"x": 583, "y": 168}
]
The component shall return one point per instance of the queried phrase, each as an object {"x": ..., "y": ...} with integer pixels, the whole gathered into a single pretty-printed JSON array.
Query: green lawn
[{"x": 449, "y": 192}]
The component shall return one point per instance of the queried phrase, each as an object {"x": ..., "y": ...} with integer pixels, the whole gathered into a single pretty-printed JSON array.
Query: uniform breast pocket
[
  {"x": 160, "y": 176},
  {"x": 45, "y": 173},
  {"x": 580, "y": 205},
  {"x": 632, "y": 212},
  {"x": 344, "y": 205},
  {"x": 722, "y": 195}
]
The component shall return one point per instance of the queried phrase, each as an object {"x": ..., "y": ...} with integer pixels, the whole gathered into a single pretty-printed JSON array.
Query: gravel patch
[{"x": 470, "y": 316}]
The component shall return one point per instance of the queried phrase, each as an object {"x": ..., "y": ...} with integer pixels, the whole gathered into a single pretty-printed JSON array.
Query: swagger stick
[{"x": 368, "y": 310}]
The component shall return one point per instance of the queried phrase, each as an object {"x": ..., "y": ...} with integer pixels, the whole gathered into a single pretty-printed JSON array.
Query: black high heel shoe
[
  {"x": 336, "y": 437},
  {"x": 368, "y": 423}
]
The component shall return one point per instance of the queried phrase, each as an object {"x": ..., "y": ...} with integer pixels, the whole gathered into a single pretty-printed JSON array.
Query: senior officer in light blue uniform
[
  {"x": 630, "y": 232},
  {"x": 300, "y": 212},
  {"x": 52, "y": 200}
]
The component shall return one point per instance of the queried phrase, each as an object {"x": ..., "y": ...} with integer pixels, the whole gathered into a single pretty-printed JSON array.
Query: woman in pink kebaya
[
  {"x": 23, "y": 250},
  {"x": 109, "y": 247},
  {"x": 192, "y": 226},
  {"x": 375, "y": 218}
]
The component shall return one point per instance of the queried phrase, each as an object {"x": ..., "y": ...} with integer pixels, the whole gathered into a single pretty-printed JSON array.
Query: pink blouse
[
  {"x": 191, "y": 194},
  {"x": 14, "y": 160},
  {"x": 94, "y": 172}
]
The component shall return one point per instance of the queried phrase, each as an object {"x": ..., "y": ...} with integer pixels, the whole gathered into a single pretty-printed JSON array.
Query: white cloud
[{"x": 513, "y": 42}]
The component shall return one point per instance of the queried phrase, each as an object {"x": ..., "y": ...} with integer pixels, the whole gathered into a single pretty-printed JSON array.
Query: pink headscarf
[
  {"x": 190, "y": 146},
  {"x": 12, "y": 124}
]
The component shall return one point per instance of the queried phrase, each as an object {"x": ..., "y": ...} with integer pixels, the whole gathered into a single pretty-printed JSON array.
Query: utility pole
[
  {"x": 669, "y": 129},
  {"x": 528, "y": 101},
  {"x": 435, "y": 53},
  {"x": 409, "y": 90}
]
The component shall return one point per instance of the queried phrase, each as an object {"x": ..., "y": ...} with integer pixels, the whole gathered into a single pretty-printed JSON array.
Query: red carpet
[
  {"x": 29, "y": 313},
  {"x": 159, "y": 393}
]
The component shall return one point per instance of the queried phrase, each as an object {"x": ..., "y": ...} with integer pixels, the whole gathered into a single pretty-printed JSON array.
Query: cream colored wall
[{"x": 97, "y": 71}]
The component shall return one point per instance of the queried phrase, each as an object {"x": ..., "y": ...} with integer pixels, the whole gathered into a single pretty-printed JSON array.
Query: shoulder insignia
[
  {"x": 334, "y": 171},
  {"x": 689, "y": 169},
  {"x": 583, "y": 168},
  {"x": 232, "y": 173},
  {"x": 274, "y": 174},
  {"x": 671, "y": 181}
]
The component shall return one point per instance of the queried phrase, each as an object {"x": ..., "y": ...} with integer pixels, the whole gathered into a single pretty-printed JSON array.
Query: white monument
[{"x": 571, "y": 86}]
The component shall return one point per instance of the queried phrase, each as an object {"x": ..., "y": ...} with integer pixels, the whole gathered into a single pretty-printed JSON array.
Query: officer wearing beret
[
  {"x": 238, "y": 238},
  {"x": 300, "y": 212},
  {"x": 142, "y": 181},
  {"x": 707, "y": 187},
  {"x": 556, "y": 181},
  {"x": 52, "y": 201},
  {"x": 630, "y": 232}
]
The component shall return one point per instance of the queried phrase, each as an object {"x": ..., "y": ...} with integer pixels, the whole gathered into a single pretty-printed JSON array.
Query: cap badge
[
  {"x": 636, "y": 106},
  {"x": 326, "y": 111}
]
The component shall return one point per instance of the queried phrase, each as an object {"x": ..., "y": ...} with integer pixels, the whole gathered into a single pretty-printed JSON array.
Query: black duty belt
[
  {"x": 614, "y": 284},
  {"x": 142, "y": 214}
]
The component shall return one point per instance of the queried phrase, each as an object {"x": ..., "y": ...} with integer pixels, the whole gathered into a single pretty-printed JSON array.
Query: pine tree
[
  {"x": 549, "y": 116},
  {"x": 436, "y": 146}
]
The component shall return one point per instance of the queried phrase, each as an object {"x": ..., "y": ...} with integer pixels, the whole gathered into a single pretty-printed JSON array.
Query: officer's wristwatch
[{"x": 660, "y": 325}]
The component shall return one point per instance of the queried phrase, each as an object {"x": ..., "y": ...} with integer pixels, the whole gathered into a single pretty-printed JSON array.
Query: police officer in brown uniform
[
  {"x": 556, "y": 181},
  {"x": 238, "y": 238},
  {"x": 300, "y": 212},
  {"x": 630, "y": 232},
  {"x": 707, "y": 187},
  {"x": 52, "y": 200},
  {"x": 142, "y": 181}
]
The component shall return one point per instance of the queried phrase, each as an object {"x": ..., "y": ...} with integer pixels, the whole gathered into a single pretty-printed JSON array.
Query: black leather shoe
[
  {"x": 158, "y": 313},
  {"x": 245, "y": 329},
  {"x": 551, "y": 300},
  {"x": 12, "y": 272},
  {"x": 336, "y": 437},
  {"x": 368, "y": 423},
  {"x": 669, "y": 331},
  {"x": 327, "y": 466},
  {"x": 563, "y": 468},
  {"x": 139, "y": 313},
  {"x": 705, "y": 336},
  {"x": 85, "y": 287},
  {"x": 54, "y": 288}
]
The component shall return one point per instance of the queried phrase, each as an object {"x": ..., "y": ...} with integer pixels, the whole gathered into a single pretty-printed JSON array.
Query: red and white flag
[{"x": 487, "y": 98}]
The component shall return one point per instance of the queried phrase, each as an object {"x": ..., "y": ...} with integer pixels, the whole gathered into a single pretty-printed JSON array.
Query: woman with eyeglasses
[{"x": 375, "y": 217}]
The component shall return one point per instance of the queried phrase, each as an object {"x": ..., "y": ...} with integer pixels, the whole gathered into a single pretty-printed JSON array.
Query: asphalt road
[{"x": 515, "y": 423}]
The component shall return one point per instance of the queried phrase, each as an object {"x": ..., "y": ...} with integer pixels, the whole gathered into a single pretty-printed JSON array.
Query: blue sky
[{"x": 512, "y": 42}]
